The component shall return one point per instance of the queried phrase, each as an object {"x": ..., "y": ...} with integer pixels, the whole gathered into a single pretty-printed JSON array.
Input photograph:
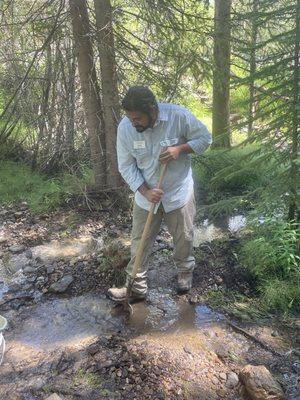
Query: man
[{"x": 152, "y": 133}]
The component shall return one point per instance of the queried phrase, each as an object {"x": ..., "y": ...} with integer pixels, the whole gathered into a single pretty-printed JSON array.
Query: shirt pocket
[
  {"x": 142, "y": 157},
  {"x": 168, "y": 142}
]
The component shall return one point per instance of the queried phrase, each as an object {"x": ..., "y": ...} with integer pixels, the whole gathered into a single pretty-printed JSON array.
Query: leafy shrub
[{"x": 272, "y": 257}]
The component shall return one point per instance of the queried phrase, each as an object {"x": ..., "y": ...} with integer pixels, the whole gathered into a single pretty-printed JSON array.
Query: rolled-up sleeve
[
  {"x": 198, "y": 136},
  {"x": 127, "y": 163}
]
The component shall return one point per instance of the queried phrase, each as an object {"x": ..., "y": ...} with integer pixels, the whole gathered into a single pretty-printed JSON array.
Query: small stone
[
  {"x": 215, "y": 380},
  {"x": 29, "y": 269},
  {"x": 61, "y": 285},
  {"x": 54, "y": 396},
  {"x": 28, "y": 253},
  {"x": 31, "y": 279},
  {"x": 222, "y": 393},
  {"x": 93, "y": 349},
  {"x": 218, "y": 280},
  {"x": 16, "y": 248},
  {"x": 18, "y": 214},
  {"x": 223, "y": 376},
  {"x": 296, "y": 367},
  {"x": 2, "y": 240},
  {"x": 232, "y": 380},
  {"x": 73, "y": 261},
  {"x": 14, "y": 287},
  {"x": 50, "y": 269},
  {"x": 193, "y": 300},
  {"x": 187, "y": 349},
  {"x": 41, "y": 280}
]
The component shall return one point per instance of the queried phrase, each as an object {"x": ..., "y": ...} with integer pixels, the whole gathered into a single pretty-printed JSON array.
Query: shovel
[{"x": 140, "y": 251}]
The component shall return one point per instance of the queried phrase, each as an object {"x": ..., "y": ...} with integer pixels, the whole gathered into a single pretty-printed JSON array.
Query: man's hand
[
  {"x": 171, "y": 153},
  {"x": 154, "y": 195}
]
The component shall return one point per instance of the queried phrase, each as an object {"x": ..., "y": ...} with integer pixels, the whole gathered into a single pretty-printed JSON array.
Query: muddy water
[{"x": 67, "y": 322}]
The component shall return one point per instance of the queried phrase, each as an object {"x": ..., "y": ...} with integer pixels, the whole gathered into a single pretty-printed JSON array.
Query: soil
[{"x": 65, "y": 337}]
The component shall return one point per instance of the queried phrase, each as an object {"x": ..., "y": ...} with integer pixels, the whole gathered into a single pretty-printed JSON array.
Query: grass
[
  {"x": 19, "y": 183},
  {"x": 87, "y": 378},
  {"x": 235, "y": 304}
]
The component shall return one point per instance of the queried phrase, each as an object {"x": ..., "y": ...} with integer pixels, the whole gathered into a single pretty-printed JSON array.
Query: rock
[
  {"x": 296, "y": 367},
  {"x": 232, "y": 380},
  {"x": 31, "y": 279},
  {"x": 14, "y": 287},
  {"x": 41, "y": 280},
  {"x": 93, "y": 349},
  {"x": 215, "y": 380},
  {"x": 28, "y": 253},
  {"x": 188, "y": 349},
  {"x": 54, "y": 396},
  {"x": 2, "y": 240},
  {"x": 16, "y": 248},
  {"x": 50, "y": 269},
  {"x": 259, "y": 383},
  {"x": 222, "y": 393},
  {"x": 218, "y": 280},
  {"x": 61, "y": 285},
  {"x": 18, "y": 214},
  {"x": 29, "y": 269},
  {"x": 223, "y": 376},
  {"x": 193, "y": 300}
]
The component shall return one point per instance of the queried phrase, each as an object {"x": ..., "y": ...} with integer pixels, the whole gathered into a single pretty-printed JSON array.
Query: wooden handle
[{"x": 141, "y": 247}]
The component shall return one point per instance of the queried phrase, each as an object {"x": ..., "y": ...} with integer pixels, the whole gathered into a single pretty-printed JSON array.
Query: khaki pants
[{"x": 180, "y": 224}]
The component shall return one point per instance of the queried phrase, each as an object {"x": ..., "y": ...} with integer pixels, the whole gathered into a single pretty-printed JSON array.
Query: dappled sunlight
[{"x": 67, "y": 248}]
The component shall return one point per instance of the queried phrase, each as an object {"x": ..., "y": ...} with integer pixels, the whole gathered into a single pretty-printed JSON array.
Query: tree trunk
[
  {"x": 109, "y": 88},
  {"x": 90, "y": 88},
  {"x": 294, "y": 212},
  {"x": 253, "y": 40},
  {"x": 69, "y": 83},
  {"x": 221, "y": 75}
]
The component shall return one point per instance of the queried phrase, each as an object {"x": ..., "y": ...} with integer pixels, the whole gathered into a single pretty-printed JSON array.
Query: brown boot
[
  {"x": 185, "y": 280},
  {"x": 119, "y": 295}
]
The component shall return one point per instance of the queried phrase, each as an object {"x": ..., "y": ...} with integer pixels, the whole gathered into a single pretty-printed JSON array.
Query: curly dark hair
[{"x": 139, "y": 98}]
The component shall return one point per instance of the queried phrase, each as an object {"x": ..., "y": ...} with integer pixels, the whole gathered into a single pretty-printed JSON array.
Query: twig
[{"x": 254, "y": 339}]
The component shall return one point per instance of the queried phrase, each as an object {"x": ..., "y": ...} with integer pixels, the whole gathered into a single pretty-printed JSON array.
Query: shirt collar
[{"x": 161, "y": 116}]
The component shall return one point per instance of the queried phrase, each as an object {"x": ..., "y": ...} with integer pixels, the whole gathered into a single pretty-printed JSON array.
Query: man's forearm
[{"x": 185, "y": 148}]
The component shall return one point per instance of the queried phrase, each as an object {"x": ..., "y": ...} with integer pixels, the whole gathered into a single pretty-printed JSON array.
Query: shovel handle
[{"x": 141, "y": 247}]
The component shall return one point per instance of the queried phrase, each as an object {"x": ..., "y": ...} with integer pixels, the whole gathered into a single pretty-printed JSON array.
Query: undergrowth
[
  {"x": 228, "y": 177},
  {"x": 19, "y": 183},
  {"x": 271, "y": 255}
]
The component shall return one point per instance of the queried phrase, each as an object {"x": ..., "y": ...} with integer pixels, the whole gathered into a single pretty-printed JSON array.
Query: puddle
[
  {"x": 65, "y": 322},
  {"x": 164, "y": 314},
  {"x": 70, "y": 322},
  {"x": 218, "y": 229}
]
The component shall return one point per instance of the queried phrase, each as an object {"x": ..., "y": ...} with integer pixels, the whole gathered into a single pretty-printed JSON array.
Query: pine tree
[{"x": 276, "y": 83}]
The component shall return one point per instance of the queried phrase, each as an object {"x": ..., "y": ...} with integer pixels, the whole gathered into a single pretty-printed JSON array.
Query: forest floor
[{"x": 65, "y": 337}]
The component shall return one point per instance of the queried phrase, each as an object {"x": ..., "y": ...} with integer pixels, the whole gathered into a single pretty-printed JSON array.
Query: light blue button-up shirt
[{"x": 138, "y": 154}]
